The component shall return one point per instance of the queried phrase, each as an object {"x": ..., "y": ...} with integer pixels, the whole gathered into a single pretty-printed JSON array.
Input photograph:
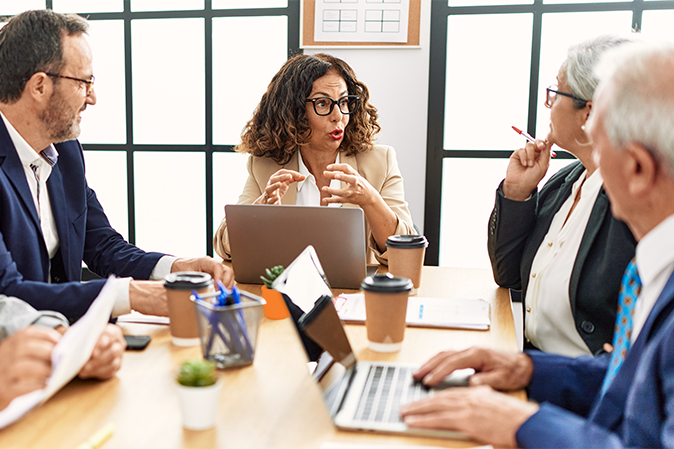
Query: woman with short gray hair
[{"x": 561, "y": 246}]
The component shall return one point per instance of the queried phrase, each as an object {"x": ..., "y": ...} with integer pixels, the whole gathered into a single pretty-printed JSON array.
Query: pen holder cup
[{"x": 229, "y": 333}]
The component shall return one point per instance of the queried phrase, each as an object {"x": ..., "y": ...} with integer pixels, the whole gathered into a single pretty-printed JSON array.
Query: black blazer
[{"x": 517, "y": 229}]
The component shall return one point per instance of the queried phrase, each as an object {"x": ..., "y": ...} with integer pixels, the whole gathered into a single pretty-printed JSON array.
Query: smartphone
[{"x": 137, "y": 342}]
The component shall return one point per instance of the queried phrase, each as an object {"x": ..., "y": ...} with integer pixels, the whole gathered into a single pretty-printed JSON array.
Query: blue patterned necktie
[{"x": 629, "y": 292}]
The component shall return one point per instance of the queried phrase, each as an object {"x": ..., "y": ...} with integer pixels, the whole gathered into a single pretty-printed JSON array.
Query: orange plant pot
[{"x": 275, "y": 309}]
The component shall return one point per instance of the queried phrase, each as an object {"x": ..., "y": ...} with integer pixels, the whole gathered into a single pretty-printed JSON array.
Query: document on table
[
  {"x": 424, "y": 312},
  {"x": 137, "y": 317},
  {"x": 68, "y": 357}
]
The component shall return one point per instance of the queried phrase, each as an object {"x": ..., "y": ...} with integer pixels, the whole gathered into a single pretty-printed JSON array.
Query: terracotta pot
[{"x": 275, "y": 309}]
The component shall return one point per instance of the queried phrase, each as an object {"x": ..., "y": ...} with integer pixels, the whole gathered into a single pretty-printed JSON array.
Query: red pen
[{"x": 527, "y": 136}]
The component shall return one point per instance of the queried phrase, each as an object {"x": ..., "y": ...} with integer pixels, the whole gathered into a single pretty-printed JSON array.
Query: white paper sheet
[
  {"x": 361, "y": 20},
  {"x": 68, "y": 357},
  {"x": 137, "y": 317},
  {"x": 424, "y": 312}
]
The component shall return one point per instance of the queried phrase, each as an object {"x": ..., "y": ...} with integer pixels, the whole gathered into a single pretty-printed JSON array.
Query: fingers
[
  {"x": 106, "y": 358},
  {"x": 26, "y": 361},
  {"x": 278, "y": 184},
  {"x": 440, "y": 367}
]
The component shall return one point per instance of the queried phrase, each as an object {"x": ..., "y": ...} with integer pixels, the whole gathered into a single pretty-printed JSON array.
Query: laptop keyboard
[{"x": 386, "y": 389}]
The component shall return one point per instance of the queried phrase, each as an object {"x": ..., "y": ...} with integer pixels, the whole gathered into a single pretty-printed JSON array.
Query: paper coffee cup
[
  {"x": 183, "y": 320},
  {"x": 406, "y": 257},
  {"x": 385, "y": 311}
]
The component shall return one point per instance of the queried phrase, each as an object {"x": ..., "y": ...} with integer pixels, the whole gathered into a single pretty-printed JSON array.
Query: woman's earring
[{"x": 583, "y": 127}]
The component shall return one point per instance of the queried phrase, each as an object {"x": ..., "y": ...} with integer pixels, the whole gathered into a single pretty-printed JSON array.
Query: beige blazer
[{"x": 378, "y": 165}]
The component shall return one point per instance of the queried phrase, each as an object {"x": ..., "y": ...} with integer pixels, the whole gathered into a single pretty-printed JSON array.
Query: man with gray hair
[{"x": 625, "y": 399}]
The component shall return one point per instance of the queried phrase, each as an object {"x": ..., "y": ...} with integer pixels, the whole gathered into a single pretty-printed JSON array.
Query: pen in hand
[{"x": 528, "y": 136}]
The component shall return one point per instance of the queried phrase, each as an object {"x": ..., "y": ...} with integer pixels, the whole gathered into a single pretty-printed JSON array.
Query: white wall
[{"x": 391, "y": 74}]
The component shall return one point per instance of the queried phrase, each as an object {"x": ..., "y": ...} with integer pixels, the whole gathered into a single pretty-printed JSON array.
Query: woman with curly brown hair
[{"x": 311, "y": 142}]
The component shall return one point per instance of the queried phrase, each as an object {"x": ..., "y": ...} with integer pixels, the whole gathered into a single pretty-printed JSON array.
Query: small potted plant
[
  {"x": 275, "y": 307},
  {"x": 199, "y": 393}
]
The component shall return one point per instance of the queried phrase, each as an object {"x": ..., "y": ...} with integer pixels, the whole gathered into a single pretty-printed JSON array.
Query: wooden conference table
[{"x": 273, "y": 403}]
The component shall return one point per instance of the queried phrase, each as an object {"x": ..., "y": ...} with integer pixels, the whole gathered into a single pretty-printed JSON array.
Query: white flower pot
[{"x": 199, "y": 405}]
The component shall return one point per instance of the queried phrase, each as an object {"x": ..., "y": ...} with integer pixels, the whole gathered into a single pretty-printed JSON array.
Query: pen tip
[{"x": 517, "y": 130}]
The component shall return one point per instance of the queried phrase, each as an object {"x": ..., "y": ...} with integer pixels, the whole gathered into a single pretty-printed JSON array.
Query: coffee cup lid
[
  {"x": 386, "y": 283},
  {"x": 187, "y": 280},
  {"x": 407, "y": 241}
]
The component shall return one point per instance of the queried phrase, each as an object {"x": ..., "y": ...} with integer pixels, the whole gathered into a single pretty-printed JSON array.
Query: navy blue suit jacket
[
  {"x": 637, "y": 409},
  {"x": 84, "y": 233}
]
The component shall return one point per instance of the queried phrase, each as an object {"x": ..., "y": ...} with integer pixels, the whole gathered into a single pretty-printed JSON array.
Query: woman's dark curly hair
[{"x": 279, "y": 125}]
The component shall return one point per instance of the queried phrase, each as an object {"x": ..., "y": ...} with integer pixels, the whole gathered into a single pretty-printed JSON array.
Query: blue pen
[{"x": 248, "y": 347}]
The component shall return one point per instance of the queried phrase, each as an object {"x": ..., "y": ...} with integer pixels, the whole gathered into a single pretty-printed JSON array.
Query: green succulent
[
  {"x": 197, "y": 373},
  {"x": 272, "y": 275}
]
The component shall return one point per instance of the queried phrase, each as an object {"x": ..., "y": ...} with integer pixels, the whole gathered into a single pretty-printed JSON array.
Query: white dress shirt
[
  {"x": 307, "y": 190},
  {"x": 29, "y": 156},
  {"x": 655, "y": 262},
  {"x": 549, "y": 322}
]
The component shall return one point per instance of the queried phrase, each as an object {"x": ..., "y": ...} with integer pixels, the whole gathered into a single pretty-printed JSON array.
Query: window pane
[
  {"x": 560, "y": 30},
  {"x": 244, "y": 62},
  {"x": 166, "y": 5},
  {"x": 658, "y": 24},
  {"x": 171, "y": 202},
  {"x": 464, "y": 217},
  {"x": 106, "y": 174},
  {"x": 488, "y": 2},
  {"x": 10, "y": 8},
  {"x": 168, "y": 81},
  {"x": 244, "y": 4},
  {"x": 487, "y": 85},
  {"x": 105, "y": 122},
  {"x": 229, "y": 177},
  {"x": 80, "y": 6}
]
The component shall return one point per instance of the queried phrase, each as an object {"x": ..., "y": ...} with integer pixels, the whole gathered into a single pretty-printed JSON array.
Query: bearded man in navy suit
[
  {"x": 573, "y": 401},
  {"x": 50, "y": 220}
]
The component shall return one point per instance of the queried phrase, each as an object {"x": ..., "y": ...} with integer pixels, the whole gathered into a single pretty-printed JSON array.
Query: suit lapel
[
  {"x": 13, "y": 169},
  {"x": 610, "y": 410},
  {"x": 599, "y": 210},
  {"x": 59, "y": 207}
]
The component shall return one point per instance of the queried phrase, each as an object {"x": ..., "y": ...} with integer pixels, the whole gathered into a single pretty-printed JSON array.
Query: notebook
[
  {"x": 364, "y": 396},
  {"x": 262, "y": 236},
  {"x": 424, "y": 312}
]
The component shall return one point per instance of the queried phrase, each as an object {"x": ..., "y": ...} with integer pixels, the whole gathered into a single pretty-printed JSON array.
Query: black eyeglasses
[
  {"x": 551, "y": 92},
  {"x": 324, "y": 105},
  {"x": 89, "y": 82}
]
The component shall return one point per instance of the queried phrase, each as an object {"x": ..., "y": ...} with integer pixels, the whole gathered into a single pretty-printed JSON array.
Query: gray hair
[
  {"x": 581, "y": 61},
  {"x": 639, "y": 79}
]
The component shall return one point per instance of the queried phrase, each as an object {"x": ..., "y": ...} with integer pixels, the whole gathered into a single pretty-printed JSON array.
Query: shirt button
[
  {"x": 549, "y": 243},
  {"x": 529, "y": 309},
  {"x": 533, "y": 275}
]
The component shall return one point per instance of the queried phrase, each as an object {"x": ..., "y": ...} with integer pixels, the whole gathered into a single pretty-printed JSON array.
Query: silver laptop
[
  {"x": 362, "y": 396},
  {"x": 263, "y": 236}
]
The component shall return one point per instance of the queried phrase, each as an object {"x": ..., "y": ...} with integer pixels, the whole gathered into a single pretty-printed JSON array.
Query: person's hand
[
  {"x": 106, "y": 359},
  {"x": 217, "y": 270},
  {"x": 277, "y": 186},
  {"x": 525, "y": 170},
  {"x": 498, "y": 369},
  {"x": 480, "y": 412},
  {"x": 148, "y": 297},
  {"x": 358, "y": 190},
  {"x": 25, "y": 362}
]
